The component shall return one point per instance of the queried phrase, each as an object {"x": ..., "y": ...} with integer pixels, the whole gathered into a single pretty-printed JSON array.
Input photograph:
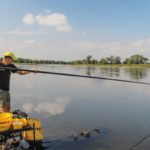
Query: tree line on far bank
[{"x": 134, "y": 59}]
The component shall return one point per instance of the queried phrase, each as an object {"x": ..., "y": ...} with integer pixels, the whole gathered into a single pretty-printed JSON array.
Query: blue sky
[{"x": 74, "y": 29}]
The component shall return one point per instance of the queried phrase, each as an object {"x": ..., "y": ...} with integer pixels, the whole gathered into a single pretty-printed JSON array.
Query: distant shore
[
  {"x": 116, "y": 65},
  {"x": 95, "y": 65}
]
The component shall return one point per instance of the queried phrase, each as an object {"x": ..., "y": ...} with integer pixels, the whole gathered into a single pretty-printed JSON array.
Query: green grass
[{"x": 116, "y": 65}]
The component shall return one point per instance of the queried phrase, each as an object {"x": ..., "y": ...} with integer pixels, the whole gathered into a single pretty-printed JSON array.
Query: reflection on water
[
  {"x": 90, "y": 70},
  {"x": 4, "y": 101},
  {"x": 68, "y": 105},
  {"x": 4, "y": 106},
  {"x": 53, "y": 108},
  {"x": 137, "y": 73},
  {"x": 110, "y": 71}
]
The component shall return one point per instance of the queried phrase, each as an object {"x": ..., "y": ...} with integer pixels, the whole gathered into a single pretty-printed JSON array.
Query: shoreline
[{"x": 94, "y": 65}]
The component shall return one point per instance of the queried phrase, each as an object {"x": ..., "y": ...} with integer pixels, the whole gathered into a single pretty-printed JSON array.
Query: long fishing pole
[{"x": 73, "y": 75}]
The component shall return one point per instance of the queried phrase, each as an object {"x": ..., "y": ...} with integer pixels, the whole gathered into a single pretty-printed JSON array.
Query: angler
[{"x": 7, "y": 62}]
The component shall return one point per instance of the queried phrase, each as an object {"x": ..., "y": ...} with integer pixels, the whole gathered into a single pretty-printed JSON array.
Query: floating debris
[
  {"x": 96, "y": 130},
  {"x": 85, "y": 134},
  {"x": 74, "y": 137}
]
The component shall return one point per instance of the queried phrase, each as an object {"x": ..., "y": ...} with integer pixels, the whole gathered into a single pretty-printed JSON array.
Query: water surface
[{"x": 68, "y": 105}]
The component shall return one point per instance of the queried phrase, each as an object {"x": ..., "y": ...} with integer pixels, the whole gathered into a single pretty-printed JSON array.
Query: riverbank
[
  {"x": 95, "y": 65},
  {"x": 116, "y": 65}
]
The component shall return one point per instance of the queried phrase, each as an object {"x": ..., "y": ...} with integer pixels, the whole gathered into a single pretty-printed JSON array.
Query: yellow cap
[{"x": 10, "y": 54}]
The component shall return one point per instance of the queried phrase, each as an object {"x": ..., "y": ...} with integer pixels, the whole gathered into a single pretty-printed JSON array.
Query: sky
[{"x": 73, "y": 29}]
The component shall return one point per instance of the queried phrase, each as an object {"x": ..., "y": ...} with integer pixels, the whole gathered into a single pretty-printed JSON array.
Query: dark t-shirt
[{"x": 5, "y": 76}]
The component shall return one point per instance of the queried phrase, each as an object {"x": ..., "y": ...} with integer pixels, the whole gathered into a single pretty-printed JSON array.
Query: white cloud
[
  {"x": 29, "y": 41},
  {"x": 54, "y": 19},
  {"x": 28, "y": 19},
  {"x": 57, "y": 20},
  {"x": 63, "y": 28},
  {"x": 140, "y": 44},
  {"x": 24, "y": 32}
]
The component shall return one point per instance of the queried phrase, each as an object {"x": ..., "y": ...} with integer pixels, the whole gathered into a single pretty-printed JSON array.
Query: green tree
[
  {"x": 117, "y": 60},
  {"x": 88, "y": 59},
  {"x": 136, "y": 59},
  {"x": 103, "y": 61},
  {"x": 111, "y": 60}
]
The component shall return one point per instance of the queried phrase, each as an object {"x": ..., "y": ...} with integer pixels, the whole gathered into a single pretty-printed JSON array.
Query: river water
[{"x": 69, "y": 105}]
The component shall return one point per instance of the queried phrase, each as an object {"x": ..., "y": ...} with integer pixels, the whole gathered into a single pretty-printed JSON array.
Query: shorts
[{"x": 4, "y": 101}]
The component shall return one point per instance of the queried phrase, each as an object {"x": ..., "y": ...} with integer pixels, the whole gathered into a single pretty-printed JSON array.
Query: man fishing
[{"x": 5, "y": 74}]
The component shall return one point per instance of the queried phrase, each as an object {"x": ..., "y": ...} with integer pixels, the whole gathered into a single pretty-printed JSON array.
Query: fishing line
[
  {"x": 138, "y": 143},
  {"x": 74, "y": 75}
]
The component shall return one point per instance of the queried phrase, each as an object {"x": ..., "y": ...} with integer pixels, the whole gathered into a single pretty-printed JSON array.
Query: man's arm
[{"x": 22, "y": 72}]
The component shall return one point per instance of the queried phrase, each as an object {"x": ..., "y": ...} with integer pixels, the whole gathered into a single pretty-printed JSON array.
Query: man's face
[{"x": 8, "y": 60}]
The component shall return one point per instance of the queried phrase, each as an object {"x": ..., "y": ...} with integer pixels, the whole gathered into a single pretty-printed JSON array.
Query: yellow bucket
[
  {"x": 5, "y": 121},
  {"x": 24, "y": 121},
  {"x": 16, "y": 124},
  {"x": 29, "y": 135}
]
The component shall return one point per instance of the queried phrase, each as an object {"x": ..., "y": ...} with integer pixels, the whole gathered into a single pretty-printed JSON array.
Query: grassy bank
[
  {"x": 116, "y": 65},
  {"x": 98, "y": 65}
]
